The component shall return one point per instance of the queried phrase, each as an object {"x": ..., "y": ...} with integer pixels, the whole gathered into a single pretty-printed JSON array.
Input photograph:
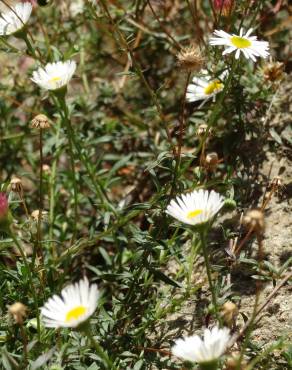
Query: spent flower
[
  {"x": 248, "y": 45},
  {"x": 75, "y": 305},
  {"x": 196, "y": 207}
]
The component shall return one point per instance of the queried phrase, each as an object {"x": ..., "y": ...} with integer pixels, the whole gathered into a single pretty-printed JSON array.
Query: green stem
[
  {"x": 70, "y": 134},
  {"x": 39, "y": 223},
  {"x": 83, "y": 157},
  {"x": 208, "y": 268},
  {"x": 53, "y": 191},
  {"x": 34, "y": 295},
  {"x": 191, "y": 264},
  {"x": 99, "y": 350}
]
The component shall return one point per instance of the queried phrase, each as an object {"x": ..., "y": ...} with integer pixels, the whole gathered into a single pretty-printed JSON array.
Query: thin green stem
[
  {"x": 27, "y": 266},
  {"x": 83, "y": 157},
  {"x": 67, "y": 123},
  {"x": 99, "y": 350},
  {"x": 39, "y": 223},
  {"x": 208, "y": 269},
  {"x": 53, "y": 190}
]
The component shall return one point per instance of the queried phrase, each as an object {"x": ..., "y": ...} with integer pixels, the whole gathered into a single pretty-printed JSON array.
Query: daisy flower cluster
[
  {"x": 204, "y": 86},
  {"x": 78, "y": 302}
]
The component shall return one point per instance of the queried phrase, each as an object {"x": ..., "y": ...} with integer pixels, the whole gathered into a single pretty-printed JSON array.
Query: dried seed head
[
  {"x": 211, "y": 161},
  {"x": 232, "y": 362},
  {"x": 16, "y": 185},
  {"x": 202, "y": 129},
  {"x": 274, "y": 71},
  {"x": 41, "y": 122},
  {"x": 47, "y": 169},
  {"x": 18, "y": 312},
  {"x": 190, "y": 58},
  {"x": 36, "y": 213},
  {"x": 255, "y": 219},
  {"x": 277, "y": 181},
  {"x": 229, "y": 312}
]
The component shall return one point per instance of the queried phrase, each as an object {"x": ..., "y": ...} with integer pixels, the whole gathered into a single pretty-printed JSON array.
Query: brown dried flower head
[
  {"x": 229, "y": 312},
  {"x": 211, "y": 161},
  {"x": 202, "y": 129},
  {"x": 16, "y": 185},
  {"x": 232, "y": 362},
  {"x": 47, "y": 169},
  {"x": 18, "y": 312},
  {"x": 277, "y": 181},
  {"x": 190, "y": 58},
  {"x": 255, "y": 219},
  {"x": 36, "y": 214},
  {"x": 40, "y": 121},
  {"x": 274, "y": 71}
]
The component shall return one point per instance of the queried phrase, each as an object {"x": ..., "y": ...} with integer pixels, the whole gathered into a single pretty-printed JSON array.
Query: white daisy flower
[
  {"x": 196, "y": 207},
  {"x": 14, "y": 19},
  {"x": 205, "y": 87},
  {"x": 248, "y": 45},
  {"x": 75, "y": 305},
  {"x": 206, "y": 350},
  {"x": 76, "y": 7},
  {"x": 54, "y": 75}
]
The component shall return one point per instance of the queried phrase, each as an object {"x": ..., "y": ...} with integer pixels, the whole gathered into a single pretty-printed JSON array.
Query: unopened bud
[
  {"x": 16, "y": 185},
  {"x": 41, "y": 122},
  {"x": 18, "y": 312},
  {"x": 255, "y": 219},
  {"x": 190, "y": 58},
  {"x": 229, "y": 312}
]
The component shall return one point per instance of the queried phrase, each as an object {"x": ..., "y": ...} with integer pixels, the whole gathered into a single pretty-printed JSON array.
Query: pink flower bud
[
  {"x": 223, "y": 6},
  {"x": 3, "y": 206}
]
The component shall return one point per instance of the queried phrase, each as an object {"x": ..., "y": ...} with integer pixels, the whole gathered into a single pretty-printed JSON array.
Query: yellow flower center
[
  {"x": 193, "y": 214},
  {"x": 212, "y": 87},
  {"x": 240, "y": 42},
  {"x": 55, "y": 79},
  {"x": 75, "y": 313}
]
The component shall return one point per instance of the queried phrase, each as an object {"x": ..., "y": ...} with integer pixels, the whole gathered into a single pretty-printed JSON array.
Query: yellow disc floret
[
  {"x": 240, "y": 42},
  {"x": 212, "y": 87},
  {"x": 193, "y": 214},
  {"x": 75, "y": 313}
]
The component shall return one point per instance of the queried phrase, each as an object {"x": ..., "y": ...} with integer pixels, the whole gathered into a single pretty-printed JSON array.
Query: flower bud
[{"x": 18, "y": 312}]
